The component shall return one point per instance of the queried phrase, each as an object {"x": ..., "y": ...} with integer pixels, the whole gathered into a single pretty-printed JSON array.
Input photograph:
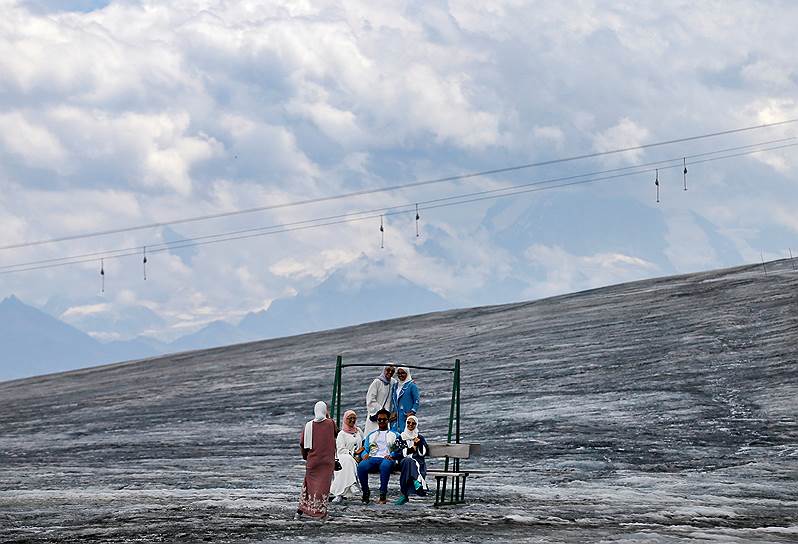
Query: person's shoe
[
  {"x": 366, "y": 496},
  {"x": 417, "y": 484},
  {"x": 338, "y": 499},
  {"x": 401, "y": 500},
  {"x": 383, "y": 499}
]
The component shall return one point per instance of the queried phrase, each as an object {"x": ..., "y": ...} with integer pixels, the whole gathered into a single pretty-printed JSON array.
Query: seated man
[{"x": 377, "y": 457}]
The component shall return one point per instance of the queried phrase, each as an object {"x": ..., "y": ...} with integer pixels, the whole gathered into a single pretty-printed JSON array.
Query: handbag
[{"x": 338, "y": 465}]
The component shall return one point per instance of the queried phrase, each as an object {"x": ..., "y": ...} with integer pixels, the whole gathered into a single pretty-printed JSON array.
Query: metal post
[
  {"x": 452, "y": 412},
  {"x": 457, "y": 389},
  {"x": 762, "y": 255},
  {"x": 338, "y": 407},
  {"x": 335, "y": 404},
  {"x": 452, "y": 407},
  {"x": 792, "y": 260}
]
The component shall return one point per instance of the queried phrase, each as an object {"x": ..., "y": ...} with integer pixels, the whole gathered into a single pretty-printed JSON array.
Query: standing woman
[
  {"x": 349, "y": 446},
  {"x": 379, "y": 397},
  {"x": 317, "y": 443},
  {"x": 406, "y": 397},
  {"x": 411, "y": 452}
]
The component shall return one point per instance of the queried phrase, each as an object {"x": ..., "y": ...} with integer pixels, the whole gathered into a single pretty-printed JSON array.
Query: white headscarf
[
  {"x": 382, "y": 377},
  {"x": 320, "y": 414},
  {"x": 408, "y": 435},
  {"x": 404, "y": 382}
]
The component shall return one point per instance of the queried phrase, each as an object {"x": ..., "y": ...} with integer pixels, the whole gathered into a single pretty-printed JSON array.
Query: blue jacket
[
  {"x": 405, "y": 401},
  {"x": 370, "y": 442}
]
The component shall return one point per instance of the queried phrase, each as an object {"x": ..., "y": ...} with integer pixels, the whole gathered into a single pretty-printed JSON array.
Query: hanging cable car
[
  {"x": 656, "y": 182},
  {"x": 684, "y": 172}
]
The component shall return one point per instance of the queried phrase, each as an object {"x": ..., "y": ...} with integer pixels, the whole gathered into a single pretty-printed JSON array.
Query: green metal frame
[{"x": 457, "y": 492}]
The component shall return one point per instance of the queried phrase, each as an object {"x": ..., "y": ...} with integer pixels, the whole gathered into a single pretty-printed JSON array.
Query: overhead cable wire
[
  {"x": 633, "y": 168},
  {"x": 351, "y": 217},
  {"x": 391, "y": 188}
]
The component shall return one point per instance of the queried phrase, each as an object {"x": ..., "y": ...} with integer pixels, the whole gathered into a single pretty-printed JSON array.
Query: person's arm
[
  {"x": 359, "y": 449},
  {"x": 421, "y": 446},
  {"x": 372, "y": 404},
  {"x": 416, "y": 399},
  {"x": 366, "y": 447},
  {"x": 302, "y": 449},
  {"x": 392, "y": 449},
  {"x": 392, "y": 402},
  {"x": 340, "y": 441}
]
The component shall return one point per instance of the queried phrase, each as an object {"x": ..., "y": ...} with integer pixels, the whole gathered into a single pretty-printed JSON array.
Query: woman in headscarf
[
  {"x": 406, "y": 397},
  {"x": 411, "y": 451},
  {"x": 317, "y": 443},
  {"x": 379, "y": 397},
  {"x": 349, "y": 446}
]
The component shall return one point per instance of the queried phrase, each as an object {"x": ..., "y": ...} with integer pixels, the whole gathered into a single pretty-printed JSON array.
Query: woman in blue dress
[
  {"x": 411, "y": 449},
  {"x": 406, "y": 398}
]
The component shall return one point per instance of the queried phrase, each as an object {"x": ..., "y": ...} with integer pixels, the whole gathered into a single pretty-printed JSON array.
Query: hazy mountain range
[
  {"x": 35, "y": 342},
  {"x": 66, "y": 333}
]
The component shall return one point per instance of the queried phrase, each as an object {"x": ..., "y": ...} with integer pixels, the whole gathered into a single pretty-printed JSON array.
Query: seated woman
[
  {"x": 411, "y": 449},
  {"x": 349, "y": 446}
]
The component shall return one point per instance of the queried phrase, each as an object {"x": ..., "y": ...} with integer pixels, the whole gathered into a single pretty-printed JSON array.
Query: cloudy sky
[{"x": 123, "y": 113}]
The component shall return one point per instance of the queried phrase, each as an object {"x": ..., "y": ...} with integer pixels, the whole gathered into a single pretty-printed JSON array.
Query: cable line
[
  {"x": 394, "y": 187},
  {"x": 380, "y": 213},
  {"x": 635, "y": 169}
]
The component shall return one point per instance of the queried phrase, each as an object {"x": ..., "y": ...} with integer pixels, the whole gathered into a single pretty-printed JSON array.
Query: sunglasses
[{"x": 381, "y": 420}]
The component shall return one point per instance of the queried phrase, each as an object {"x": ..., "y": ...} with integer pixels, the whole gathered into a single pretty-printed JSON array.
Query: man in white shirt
[{"x": 379, "y": 445}]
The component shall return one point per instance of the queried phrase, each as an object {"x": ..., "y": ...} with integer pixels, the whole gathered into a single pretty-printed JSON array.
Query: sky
[{"x": 122, "y": 113}]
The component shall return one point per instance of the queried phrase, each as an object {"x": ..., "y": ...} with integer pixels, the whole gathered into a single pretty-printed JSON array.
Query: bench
[{"x": 452, "y": 476}]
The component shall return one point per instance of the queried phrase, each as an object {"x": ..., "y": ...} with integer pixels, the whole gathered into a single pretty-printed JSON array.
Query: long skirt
[
  {"x": 316, "y": 488},
  {"x": 412, "y": 472},
  {"x": 345, "y": 481}
]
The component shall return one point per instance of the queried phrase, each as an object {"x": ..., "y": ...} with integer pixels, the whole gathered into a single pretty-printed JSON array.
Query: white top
[
  {"x": 381, "y": 439},
  {"x": 347, "y": 443}
]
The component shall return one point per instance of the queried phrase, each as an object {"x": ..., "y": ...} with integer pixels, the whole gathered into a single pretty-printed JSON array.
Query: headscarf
[
  {"x": 347, "y": 428},
  {"x": 403, "y": 383},
  {"x": 408, "y": 435},
  {"x": 320, "y": 414},
  {"x": 382, "y": 377}
]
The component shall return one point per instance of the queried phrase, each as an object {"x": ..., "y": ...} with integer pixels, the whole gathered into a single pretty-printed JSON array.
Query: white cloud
[
  {"x": 88, "y": 309},
  {"x": 564, "y": 272},
  {"x": 316, "y": 266},
  {"x": 145, "y": 111},
  {"x": 625, "y": 134},
  {"x": 34, "y": 143}
]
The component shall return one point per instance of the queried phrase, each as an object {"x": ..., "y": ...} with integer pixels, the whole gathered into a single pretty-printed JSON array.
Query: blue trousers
[{"x": 375, "y": 464}]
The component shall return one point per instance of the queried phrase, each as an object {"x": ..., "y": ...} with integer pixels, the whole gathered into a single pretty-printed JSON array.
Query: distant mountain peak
[{"x": 12, "y": 299}]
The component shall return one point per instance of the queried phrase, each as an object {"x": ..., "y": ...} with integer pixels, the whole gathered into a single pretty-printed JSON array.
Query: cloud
[
  {"x": 561, "y": 272},
  {"x": 32, "y": 142},
  {"x": 625, "y": 134},
  {"x": 143, "y": 111},
  {"x": 88, "y": 309}
]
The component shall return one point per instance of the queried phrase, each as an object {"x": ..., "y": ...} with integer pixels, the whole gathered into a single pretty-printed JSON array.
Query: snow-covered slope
[{"x": 657, "y": 411}]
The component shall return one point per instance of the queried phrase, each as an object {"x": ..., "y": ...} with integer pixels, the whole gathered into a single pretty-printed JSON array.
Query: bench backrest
[{"x": 455, "y": 451}]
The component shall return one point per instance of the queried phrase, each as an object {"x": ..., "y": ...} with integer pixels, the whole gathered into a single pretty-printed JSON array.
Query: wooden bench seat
[{"x": 452, "y": 475}]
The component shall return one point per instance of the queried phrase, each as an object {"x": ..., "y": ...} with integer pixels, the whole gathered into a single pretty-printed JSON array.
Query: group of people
[{"x": 339, "y": 462}]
